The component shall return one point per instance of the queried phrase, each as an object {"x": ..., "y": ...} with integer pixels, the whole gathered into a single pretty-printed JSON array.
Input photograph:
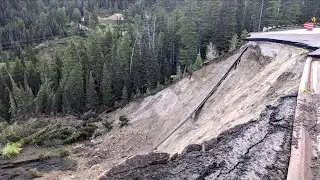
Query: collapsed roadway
[{"x": 283, "y": 143}]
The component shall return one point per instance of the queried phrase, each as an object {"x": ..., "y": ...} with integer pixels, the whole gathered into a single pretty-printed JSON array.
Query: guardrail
[{"x": 199, "y": 107}]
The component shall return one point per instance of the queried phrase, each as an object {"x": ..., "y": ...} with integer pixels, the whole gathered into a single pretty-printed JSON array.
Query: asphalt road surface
[{"x": 299, "y": 37}]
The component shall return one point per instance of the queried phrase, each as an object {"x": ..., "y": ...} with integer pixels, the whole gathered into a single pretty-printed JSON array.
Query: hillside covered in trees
[{"x": 102, "y": 67}]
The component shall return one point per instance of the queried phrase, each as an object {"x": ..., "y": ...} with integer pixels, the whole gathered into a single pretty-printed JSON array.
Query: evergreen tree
[
  {"x": 234, "y": 42},
  {"x": 76, "y": 15},
  {"x": 96, "y": 57},
  {"x": 123, "y": 64},
  {"x": 125, "y": 98},
  {"x": 91, "y": 94},
  {"x": 72, "y": 73},
  {"x": 107, "y": 87},
  {"x": 13, "y": 107},
  {"x": 198, "y": 63},
  {"x": 226, "y": 28},
  {"x": 291, "y": 12},
  {"x": 243, "y": 37},
  {"x": 44, "y": 99},
  {"x": 272, "y": 13},
  {"x": 189, "y": 48}
]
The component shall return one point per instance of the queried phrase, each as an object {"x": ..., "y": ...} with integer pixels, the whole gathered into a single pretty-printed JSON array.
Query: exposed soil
[
  {"x": 265, "y": 73},
  {"x": 259, "y": 149}
]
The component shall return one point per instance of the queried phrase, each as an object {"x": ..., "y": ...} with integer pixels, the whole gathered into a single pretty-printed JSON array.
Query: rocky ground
[{"x": 259, "y": 149}]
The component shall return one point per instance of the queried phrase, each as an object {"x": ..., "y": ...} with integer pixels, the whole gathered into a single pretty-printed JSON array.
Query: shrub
[
  {"x": 124, "y": 121},
  {"x": 44, "y": 155},
  {"x": 63, "y": 152},
  {"x": 34, "y": 173},
  {"x": 107, "y": 125},
  {"x": 11, "y": 150}
]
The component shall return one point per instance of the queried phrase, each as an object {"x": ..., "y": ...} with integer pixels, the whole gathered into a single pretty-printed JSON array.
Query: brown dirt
[{"x": 258, "y": 80}]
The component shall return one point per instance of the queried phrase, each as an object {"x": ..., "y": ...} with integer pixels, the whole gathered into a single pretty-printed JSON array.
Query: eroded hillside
[{"x": 266, "y": 73}]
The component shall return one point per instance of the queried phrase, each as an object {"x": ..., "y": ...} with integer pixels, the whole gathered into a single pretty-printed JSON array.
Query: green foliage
[
  {"x": 198, "y": 63},
  {"x": 91, "y": 94},
  {"x": 125, "y": 98},
  {"x": 16, "y": 132},
  {"x": 106, "y": 86},
  {"x": 76, "y": 15},
  {"x": 44, "y": 99},
  {"x": 63, "y": 152},
  {"x": 40, "y": 132},
  {"x": 44, "y": 155},
  {"x": 107, "y": 125},
  {"x": 234, "y": 43},
  {"x": 72, "y": 79},
  {"x": 243, "y": 36},
  {"x": 188, "y": 50},
  {"x": 91, "y": 72},
  {"x": 11, "y": 150}
]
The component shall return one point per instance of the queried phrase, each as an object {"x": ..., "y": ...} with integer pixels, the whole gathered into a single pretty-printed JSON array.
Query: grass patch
[{"x": 11, "y": 150}]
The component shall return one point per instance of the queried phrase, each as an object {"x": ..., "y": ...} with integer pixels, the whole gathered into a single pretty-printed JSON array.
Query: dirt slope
[
  {"x": 261, "y": 78},
  {"x": 259, "y": 149},
  {"x": 254, "y": 84}
]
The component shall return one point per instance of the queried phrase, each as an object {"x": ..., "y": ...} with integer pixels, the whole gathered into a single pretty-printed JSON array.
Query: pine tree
[
  {"x": 212, "y": 52},
  {"x": 124, "y": 56},
  {"x": 272, "y": 13},
  {"x": 188, "y": 49},
  {"x": 76, "y": 15},
  {"x": 13, "y": 107},
  {"x": 148, "y": 92},
  {"x": 291, "y": 11},
  {"x": 18, "y": 71},
  {"x": 137, "y": 94},
  {"x": 234, "y": 42},
  {"x": 159, "y": 86},
  {"x": 125, "y": 98},
  {"x": 72, "y": 81},
  {"x": 243, "y": 37},
  {"x": 91, "y": 94},
  {"x": 227, "y": 22},
  {"x": 179, "y": 72},
  {"x": 28, "y": 97},
  {"x": 17, "y": 100},
  {"x": 44, "y": 99},
  {"x": 107, "y": 87},
  {"x": 96, "y": 57},
  {"x": 198, "y": 63}
]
